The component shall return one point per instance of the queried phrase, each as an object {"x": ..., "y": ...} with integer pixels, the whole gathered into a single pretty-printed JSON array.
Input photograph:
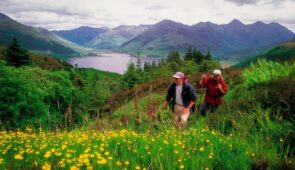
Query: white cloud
[{"x": 68, "y": 14}]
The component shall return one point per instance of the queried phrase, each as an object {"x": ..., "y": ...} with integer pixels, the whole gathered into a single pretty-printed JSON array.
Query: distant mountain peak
[
  {"x": 83, "y": 26},
  {"x": 167, "y": 21},
  {"x": 259, "y": 23},
  {"x": 236, "y": 22},
  {"x": 3, "y": 16},
  {"x": 208, "y": 23}
]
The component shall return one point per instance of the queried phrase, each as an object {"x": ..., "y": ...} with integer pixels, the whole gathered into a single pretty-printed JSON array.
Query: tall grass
[
  {"x": 264, "y": 71},
  {"x": 195, "y": 148},
  {"x": 240, "y": 135}
]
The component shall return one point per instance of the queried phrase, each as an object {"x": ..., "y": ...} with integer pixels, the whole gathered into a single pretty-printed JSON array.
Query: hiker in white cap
[
  {"x": 181, "y": 97},
  {"x": 215, "y": 89}
]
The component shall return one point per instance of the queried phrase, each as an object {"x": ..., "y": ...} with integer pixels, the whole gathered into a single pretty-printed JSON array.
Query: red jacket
[{"x": 213, "y": 94}]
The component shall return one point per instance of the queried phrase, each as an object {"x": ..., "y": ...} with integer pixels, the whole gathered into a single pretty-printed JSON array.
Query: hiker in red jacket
[{"x": 215, "y": 89}]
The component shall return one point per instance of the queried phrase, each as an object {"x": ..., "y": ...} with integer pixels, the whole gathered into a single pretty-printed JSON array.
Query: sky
[{"x": 70, "y": 14}]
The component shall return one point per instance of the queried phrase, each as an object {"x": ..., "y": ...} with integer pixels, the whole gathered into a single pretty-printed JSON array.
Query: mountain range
[
  {"x": 37, "y": 39},
  {"x": 231, "y": 40},
  {"x": 221, "y": 40},
  {"x": 81, "y": 35}
]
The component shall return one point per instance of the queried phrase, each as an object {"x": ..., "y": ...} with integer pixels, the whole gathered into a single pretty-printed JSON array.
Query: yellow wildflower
[
  {"x": 181, "y": 167},
  {"x": 89, "y": 167},
  {"x": 47, "y": 154},
  {"x": 102, "y": 161},
  {"x": 118, "y": 163},
  {"x": 63, "y": 146},
  {"x": 126, "y": 162},
  {"x": 1, "y": 161},
  {"x": 74, "y": 168},
  {"x": 46, "y": 166},
  {"x": 19, "y": 157},
  {"x": 57, "y": 153},
  {"x": 137, "y": 167},
  {"x": 202, "y": 148},
  {"x": 87, "y": 150},
  {"x": 85, "y": 160}
]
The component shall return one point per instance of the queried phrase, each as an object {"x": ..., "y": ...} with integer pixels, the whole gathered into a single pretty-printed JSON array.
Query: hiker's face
[
  {"x": 216, "y": 76},
  {"x": 178, "y": 81}
]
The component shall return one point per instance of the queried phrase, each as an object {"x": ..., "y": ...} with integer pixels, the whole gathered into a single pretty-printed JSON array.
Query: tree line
[{"x": 192, "y": 61}]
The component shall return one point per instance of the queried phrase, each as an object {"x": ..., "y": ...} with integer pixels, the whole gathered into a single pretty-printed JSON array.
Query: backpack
[{"x": 185, "y": 79}]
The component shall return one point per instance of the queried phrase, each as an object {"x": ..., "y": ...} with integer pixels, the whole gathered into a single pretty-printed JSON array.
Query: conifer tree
[
  {"x": 189, "y": 54},
  {"x": 17, "y": 56},
  {"x": 208, "y": 55}
]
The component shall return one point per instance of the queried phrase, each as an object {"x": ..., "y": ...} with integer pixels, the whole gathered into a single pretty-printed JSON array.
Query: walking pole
[{"x": 202, "y": 95}]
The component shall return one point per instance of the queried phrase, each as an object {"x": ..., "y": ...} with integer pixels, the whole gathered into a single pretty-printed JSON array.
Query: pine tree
[
  {"x": 146, "y": 67},
  {"x": 198, "y": 56},
  {"x": 138, "y": 61},
  {"x": 174, "y": 60},
  {"x": 16, "y": 55},
  {"x": 208, "y": 55},
  {"x": 174, "y": 56},
  {"x": 130, "y": 76},
  {"x": 189, "y": 54}
]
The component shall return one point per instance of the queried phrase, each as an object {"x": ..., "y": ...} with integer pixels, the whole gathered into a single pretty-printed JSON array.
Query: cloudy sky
[{"x": 69, "y": 14}]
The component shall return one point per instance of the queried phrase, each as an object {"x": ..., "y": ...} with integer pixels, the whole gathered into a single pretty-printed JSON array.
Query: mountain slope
[
  {"x": 161, "y": 37},
  {"x": 37, "y": 39},
  {"x": 81, "y": 35},
  {"x": 282, "y": 52},
  {"x": 115, "y": 37},
  {"x": 220, "y": 39}
]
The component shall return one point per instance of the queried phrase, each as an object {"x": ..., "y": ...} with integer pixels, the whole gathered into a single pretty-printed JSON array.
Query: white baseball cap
[
  {"x": 178, "y": 75},
  {"x": 217, "y": 72}
]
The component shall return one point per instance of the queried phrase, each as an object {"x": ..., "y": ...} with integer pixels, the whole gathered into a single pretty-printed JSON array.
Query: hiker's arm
[
  {"x": 222, "y": 87},
  {"x": 168, "y": 97},
  {"x": 202, "y": 81},
  {"x": 165, "y": 103},
  {"x": 191, "y": 104},
  {"x": 193, "y": 97},
  {"x": 187, "y": 109},
  {"x": 193, "y": 94}
]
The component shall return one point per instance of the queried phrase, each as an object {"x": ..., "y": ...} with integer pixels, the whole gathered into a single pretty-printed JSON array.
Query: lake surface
[{"x": 111, "y": 61}]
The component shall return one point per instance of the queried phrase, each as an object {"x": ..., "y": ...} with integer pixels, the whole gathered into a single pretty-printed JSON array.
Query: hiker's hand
[
  {"x": 219, "y": 86},
  {"x": 203, "y": 76},
  {"x": 162, "y": 107},
  {"x": 185, "y": 110}
]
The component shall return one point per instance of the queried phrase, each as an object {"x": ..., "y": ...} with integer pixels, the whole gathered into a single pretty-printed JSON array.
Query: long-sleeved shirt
[
  {"x": 188, "y": 94},
  {"x": 213, "y": 94}
]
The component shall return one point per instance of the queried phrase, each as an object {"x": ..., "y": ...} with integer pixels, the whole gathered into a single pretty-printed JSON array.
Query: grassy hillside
[
  {"x": 51, "y": 118},
  {"x": 49, "y": 90},
  {"x": 248, "y": 131},
  {"x": 37, "y": 39},
  {"x": 282, "y": 52}
]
